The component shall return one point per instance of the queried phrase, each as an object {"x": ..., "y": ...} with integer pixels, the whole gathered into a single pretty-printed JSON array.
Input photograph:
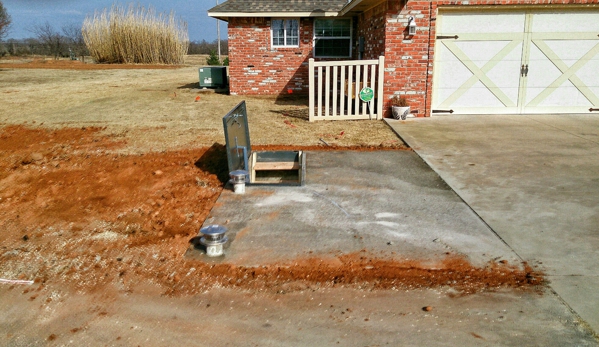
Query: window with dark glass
[
  {"x": 285, "y": 32},
  {"x": 332, "y": 38}
]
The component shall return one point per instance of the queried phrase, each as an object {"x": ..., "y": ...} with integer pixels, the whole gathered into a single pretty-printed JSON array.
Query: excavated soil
[{"x": 76, "y": 211}]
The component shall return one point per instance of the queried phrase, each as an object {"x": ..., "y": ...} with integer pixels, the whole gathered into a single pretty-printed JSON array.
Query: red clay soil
[
  {"x": 359, "y": 270},
  {"x": 78, "y": 65},
  {"x": 75, "y": 212}
]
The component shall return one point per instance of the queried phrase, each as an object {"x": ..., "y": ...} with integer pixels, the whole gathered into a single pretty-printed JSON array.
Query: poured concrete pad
[
  {"x": 534, "y": 180},
  {"x": 388, "y": 203}
]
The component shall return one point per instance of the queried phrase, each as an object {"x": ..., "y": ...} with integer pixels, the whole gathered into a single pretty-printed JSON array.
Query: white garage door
[{"x": 516, "y": 62}]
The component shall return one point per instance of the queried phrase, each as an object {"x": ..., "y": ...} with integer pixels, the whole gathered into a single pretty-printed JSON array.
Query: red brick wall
[
  {"x": 257, "y": 68},
  {"x": 408, "y": 59},
  {"x": 371, "y": 26}
]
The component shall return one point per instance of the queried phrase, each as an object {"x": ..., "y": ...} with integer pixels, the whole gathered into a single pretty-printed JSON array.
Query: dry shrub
[{"x": 135, "y": 36}]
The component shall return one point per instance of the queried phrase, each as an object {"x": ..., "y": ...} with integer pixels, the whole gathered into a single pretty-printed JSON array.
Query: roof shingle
[{"x": 265, "y": 6}]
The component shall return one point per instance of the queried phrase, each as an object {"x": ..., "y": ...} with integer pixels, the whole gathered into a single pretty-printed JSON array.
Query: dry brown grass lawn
[{"x": 156, "y": 109}]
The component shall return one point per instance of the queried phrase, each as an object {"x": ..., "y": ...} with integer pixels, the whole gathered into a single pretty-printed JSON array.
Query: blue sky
[{"x": 28, "y": 13}]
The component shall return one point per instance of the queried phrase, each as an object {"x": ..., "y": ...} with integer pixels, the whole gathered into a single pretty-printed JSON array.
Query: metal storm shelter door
[
  {"x": 517, "y": 62},
  {"x": 263, "y": 167}
]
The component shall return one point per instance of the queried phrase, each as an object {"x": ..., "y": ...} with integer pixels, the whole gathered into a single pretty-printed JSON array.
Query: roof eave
[
  {"x": 226, "y": 15},
  {"x": 366, "y": 4},
  {"x": 349, "y": 6}
]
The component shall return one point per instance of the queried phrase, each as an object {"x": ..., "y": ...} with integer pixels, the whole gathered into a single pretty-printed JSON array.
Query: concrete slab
[
  {"x": 584, "y": 126},
  {"x": 580, "y": 292},
  {"x": 534, "y": 180},
  {"x": 387, "y": 202}
]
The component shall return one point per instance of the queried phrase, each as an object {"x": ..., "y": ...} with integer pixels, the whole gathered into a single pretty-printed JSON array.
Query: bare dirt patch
[{"x": 67, "y": 197}]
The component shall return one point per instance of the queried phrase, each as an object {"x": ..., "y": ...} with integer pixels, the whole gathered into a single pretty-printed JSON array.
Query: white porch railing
[{"x": 335, "y": 87}]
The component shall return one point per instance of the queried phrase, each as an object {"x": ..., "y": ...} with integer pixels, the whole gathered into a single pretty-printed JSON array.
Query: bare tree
[
  {"x": 51, "y": 38},
  {"x": 73, "y": 38},
  {"x": 5, "y": 21}
]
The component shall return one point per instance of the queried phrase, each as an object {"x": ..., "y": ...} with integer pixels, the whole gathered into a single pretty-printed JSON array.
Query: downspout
[{"x": 428, "y": 56}]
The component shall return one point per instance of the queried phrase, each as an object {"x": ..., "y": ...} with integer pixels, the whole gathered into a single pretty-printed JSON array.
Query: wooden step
[{"x": 276, "y": 165}]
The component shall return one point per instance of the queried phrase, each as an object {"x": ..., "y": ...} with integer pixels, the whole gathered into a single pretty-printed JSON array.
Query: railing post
[
  {"x": 327, "y": 91},
  {"x": 335, "y": 80},
  {"x": 380, "y": 93},
  {"x": 319, "y": 92},
  {"x": 357, "y": 88},
  {"x": 350, "y": 90},
  {"x": 373, "y": 81},
  {"x": 311, "y": 89},
  {"x": 343, "y": 91}
]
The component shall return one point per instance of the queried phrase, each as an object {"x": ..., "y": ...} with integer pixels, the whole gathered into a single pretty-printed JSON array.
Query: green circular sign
[{"x": 366, "y": 94}]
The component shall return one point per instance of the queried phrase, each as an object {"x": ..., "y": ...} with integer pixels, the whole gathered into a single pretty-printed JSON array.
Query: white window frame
[
  {"x": 285, "y": 33},
  {"x": 315, "y": 37}
]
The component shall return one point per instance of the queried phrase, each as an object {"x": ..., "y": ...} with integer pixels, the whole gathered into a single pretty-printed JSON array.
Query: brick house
[{"x": 465, "y": 56}]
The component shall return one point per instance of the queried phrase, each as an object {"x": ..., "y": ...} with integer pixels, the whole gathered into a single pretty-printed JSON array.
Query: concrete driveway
[{"x": 535, "y": 181}]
